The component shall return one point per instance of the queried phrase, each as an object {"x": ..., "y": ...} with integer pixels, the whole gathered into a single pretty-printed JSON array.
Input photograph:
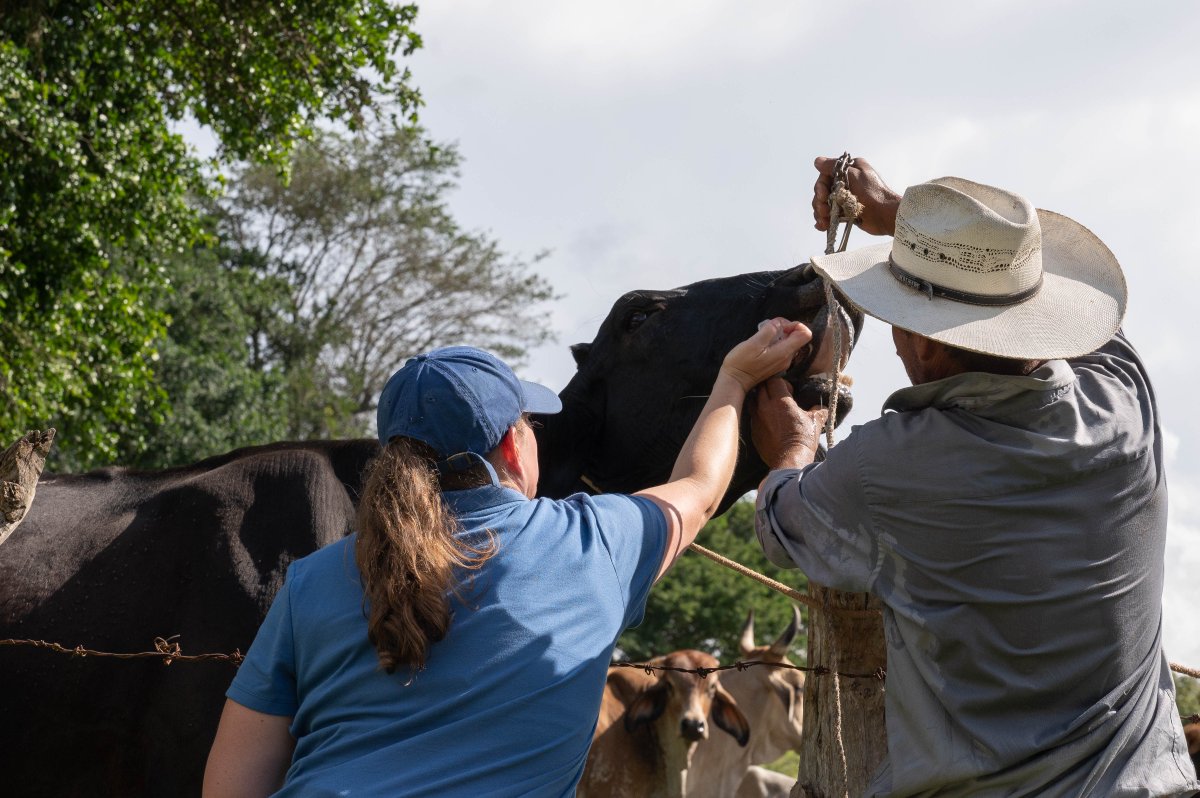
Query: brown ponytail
[{"x": 407, "y": 553}]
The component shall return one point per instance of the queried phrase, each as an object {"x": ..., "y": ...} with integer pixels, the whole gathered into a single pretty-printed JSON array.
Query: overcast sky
[{"x": 651, "y": 144}]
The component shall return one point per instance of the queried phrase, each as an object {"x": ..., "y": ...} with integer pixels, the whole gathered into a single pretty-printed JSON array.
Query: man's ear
[{"x": 927, "y": 349}]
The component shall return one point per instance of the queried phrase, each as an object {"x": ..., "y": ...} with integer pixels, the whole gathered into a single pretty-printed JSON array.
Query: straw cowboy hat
[{"x": 980, "y": 268}]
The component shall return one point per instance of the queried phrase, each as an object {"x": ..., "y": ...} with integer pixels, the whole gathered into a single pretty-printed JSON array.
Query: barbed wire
[
  {"x": 165, "y": 649},
  {"x": 741, "y": 665}
]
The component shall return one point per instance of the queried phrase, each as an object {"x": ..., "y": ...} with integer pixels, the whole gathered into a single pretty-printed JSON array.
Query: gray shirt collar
[{"x": 987, "y": 394}]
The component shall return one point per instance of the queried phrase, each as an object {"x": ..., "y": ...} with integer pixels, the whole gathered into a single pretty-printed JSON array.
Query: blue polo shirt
[{"x": 508, "y": 700}]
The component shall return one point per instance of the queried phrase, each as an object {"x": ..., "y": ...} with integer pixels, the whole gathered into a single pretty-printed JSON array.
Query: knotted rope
[{"x": 843, "y": 206}]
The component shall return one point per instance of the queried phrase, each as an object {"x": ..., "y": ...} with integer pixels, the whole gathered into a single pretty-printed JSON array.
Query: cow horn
[
  {"x": 746, "y": 641},
  {"x": 780, "y": 647}
]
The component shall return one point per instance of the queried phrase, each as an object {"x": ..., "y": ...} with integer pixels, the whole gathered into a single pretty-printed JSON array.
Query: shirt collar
[
  {"x": 472, "y": 499},
  {"x": 977, "y": 391}
]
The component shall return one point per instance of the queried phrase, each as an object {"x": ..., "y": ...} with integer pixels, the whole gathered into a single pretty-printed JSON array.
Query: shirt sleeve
[
  {"x": 816, "y": 519},
  {"x": 634, "y": 531},
  {"x": 266, "y": 679}
]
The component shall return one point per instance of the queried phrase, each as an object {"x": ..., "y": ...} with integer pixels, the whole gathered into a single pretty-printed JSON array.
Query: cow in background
[
  {"x": 649, "y": 727},
  {"x": 1192, "y": 733},
  {"x": 762, "y": 783},
  {"x": 772, "y": 699}
]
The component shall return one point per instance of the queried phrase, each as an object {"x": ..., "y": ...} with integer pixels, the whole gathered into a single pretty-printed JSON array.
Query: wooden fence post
[
  {"x": 20, "y": 466},
  {"x": 848, "y": 642}
]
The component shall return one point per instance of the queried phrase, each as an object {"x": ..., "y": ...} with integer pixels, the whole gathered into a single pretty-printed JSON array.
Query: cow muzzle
[{"x": 693, "y": 729}]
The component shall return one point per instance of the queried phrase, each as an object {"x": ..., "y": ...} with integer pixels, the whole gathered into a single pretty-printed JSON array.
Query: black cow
[{"x": 114, "y": 558}]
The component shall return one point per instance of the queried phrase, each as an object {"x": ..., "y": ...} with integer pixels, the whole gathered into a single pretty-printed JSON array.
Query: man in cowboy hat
[{"x": 1009, "y": 511}]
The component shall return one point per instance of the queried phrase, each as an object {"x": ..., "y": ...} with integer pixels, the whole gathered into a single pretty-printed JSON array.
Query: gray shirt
[{"x": 1014, "y": 529}]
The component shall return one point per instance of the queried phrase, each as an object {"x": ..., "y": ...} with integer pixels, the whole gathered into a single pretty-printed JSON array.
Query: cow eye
[{"x": 635, "y": 320}]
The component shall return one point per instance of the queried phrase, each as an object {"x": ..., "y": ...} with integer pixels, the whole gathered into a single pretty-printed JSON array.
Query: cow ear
[
  {"x": 580, "y": 352},
  {"x": 726, "y": 715},
  {"x": 646, "y": 708}
]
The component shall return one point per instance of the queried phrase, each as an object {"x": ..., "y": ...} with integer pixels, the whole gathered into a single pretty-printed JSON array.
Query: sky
[{"x": 654, "y": 143}]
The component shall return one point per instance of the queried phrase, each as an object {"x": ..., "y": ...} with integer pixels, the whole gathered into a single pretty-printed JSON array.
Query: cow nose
[{"x": 693, "y": 729}]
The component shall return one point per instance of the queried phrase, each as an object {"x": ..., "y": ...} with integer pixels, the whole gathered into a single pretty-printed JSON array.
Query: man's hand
[
  {"x": 879, "y": 202},
  {"x": 785, "y": 435}
]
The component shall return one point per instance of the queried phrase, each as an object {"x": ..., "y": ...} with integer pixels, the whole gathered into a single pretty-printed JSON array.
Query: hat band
[{"x": 966, "y": 297}]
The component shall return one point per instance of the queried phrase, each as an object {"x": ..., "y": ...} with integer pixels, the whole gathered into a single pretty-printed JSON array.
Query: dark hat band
[{"x": 932, "y": 289}]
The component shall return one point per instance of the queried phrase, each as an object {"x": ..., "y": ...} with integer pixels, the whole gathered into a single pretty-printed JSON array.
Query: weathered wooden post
[
  {"x": 846, "y": 636},
  {"x": 20, "y": 466}
]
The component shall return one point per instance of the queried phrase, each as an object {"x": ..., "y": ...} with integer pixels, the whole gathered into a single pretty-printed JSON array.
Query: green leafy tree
[
  {"x": 94, "y": 186},
  {"x": 1187, "y": 694},
  {"x": 700, "y": 604},
  {"x": 221, "y": 389},
  {"x": 319, "y": 288}
]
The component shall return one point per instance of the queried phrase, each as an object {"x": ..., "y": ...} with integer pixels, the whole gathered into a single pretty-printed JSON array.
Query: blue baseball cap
[{"x": 459, "y": 400}]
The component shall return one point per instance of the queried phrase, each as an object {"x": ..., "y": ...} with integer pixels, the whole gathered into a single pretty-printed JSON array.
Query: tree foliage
[
  {"x": 94, "y": 186},
  {"x": 318, "y": 289},
  {"x": 700, "y": 604},
  {"x": 1187, "y": 694}
]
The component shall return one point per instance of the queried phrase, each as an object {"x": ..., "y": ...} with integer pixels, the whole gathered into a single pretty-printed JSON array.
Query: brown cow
[
  {"x": 649, "y": 726},
  {"x": 1192, "y": 733},
  {"x": 771, "y": 698},
  {"x": 762, "y": 783}
]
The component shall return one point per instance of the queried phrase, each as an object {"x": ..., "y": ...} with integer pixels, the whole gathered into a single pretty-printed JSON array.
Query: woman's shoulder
[{"x": 333, "y": 560}]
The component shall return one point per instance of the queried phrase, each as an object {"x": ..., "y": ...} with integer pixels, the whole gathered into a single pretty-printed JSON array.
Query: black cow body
[{"x": 113, "y": 559}]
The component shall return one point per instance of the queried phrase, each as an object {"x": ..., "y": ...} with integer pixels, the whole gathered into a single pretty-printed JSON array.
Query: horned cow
[{"x": 771, "y": 698}]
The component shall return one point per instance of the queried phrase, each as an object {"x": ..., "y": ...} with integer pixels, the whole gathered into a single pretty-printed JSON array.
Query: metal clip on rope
[{"x": 843, "y": 206}]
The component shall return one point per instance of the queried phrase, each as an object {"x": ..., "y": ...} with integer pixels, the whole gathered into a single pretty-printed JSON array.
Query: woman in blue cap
[{"x": 458, "y": 642}]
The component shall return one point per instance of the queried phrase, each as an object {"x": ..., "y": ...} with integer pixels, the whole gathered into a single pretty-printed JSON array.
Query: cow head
[
  {"x": 688, "y": 700},
  {"x": 641, "y": 383},
  {"x": 776, "y": 695}
]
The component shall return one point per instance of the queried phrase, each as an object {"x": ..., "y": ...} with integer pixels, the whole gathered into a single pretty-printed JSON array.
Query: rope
[
  {"x": 1195, "y": 674},
  {"x": 792, "y": 593},
  {"x": 834, "y": 311},
  {"x": 837, "y": 722},
  {"x": 842, "y": 205}
]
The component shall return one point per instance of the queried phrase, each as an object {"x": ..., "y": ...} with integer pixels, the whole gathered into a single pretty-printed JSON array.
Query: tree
[
  {"x": 94, "y": 186},
  {"x": 1187, "y": 694},
  {"x": 702, "y": 605},
  {"x": 319, "y": 288}
]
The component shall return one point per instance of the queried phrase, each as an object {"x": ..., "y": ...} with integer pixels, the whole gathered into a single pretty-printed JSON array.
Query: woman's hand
[{"x": 768, "y": 352}]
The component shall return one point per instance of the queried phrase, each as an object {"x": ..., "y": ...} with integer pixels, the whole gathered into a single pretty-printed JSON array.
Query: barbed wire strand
[{"x": 165, "y": 649}]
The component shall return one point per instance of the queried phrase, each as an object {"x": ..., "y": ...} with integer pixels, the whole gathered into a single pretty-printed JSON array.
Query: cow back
[{"x": 113, "y": 559}]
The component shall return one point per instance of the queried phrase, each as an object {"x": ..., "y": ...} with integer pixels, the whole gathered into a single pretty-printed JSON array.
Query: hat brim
[
  {"x": 539, "y": 399},
  {"x": 1078, "y": 308}
]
